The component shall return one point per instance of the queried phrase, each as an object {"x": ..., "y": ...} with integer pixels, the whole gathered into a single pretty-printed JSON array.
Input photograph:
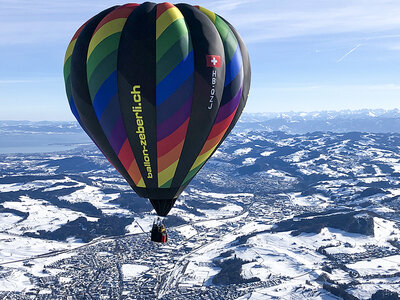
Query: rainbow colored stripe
[
  {"x": 174, "y": 90},
  {"x": 102, "y": 59},
  {"x": 67, "y": 72},
  {"x": 228, "y": 108}
]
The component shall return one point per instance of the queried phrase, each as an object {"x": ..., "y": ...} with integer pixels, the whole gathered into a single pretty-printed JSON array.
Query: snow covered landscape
[{"x": 286, "y": 214}]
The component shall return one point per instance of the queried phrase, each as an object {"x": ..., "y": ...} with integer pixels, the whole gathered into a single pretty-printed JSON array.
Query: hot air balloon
[{"x": 157, "y": 87}]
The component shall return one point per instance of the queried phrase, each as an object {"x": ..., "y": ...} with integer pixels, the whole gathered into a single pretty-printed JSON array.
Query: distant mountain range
[{"x": 364, "y": 120}]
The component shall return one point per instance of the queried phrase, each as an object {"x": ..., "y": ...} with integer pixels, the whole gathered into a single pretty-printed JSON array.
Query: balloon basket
[{"x": 159, "y": 232}]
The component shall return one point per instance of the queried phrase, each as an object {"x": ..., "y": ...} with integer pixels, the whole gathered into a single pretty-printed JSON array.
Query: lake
[{"x": 41, "y": 142}]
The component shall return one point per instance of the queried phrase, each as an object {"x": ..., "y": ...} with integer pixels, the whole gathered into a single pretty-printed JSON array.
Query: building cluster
[{"x": 96, "y": 270}]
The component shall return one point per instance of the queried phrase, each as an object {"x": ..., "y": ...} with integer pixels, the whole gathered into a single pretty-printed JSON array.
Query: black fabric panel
[
  {"x": 137, "y": 67},
  {"x": 81, "y": 96},
  {"x": 206, "y": 41},
  {"x": 162, "y": 206},
  {"x": 233, "y": 87}
]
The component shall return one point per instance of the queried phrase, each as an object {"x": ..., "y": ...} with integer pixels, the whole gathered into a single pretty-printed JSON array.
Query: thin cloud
[
  {"x": 35, "y": 80},
  {"x": 291, "y": 19},
  {"x": 348, "y": 53},
  {"x": 395, "y": 47},
  {"x": 389, "y": 86},
  {"x": 31, "y": 22},
  {"x": 321, "y": 88},
  {"x": 383, "y": 36},
  {"x": 220, "y": 6}
]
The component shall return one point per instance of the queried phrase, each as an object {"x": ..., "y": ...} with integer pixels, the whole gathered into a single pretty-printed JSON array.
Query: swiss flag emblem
[{"x": 213, "y": 61}]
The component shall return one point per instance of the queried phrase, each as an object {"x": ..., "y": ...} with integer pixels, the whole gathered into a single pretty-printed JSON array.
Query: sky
[{"x": 307, "y": 55}]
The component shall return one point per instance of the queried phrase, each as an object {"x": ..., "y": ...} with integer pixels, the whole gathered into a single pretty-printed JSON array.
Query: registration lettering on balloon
[
  {"x": 212, "y": 91},
  {"x": 137, "y": 110}
]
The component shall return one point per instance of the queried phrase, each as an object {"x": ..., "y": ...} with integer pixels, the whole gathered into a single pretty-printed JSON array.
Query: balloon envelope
[{"x": 157, "y": 87}]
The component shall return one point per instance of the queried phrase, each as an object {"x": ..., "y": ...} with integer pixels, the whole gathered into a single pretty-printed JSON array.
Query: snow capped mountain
[
  {"x": 320, "y": 115},
  {"x": 376, "y": 121}
]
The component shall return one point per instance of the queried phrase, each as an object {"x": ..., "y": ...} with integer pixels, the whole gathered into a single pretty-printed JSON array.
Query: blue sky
[{"x": 306, "y": 55}]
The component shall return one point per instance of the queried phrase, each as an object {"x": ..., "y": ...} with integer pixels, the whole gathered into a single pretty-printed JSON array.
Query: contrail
[{"x": 352, "y": 50}]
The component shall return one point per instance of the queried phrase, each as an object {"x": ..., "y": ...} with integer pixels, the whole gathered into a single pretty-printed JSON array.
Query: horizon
[
  {"x": 305, "y": 57},
  {"x": 266, "y": 114}
]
